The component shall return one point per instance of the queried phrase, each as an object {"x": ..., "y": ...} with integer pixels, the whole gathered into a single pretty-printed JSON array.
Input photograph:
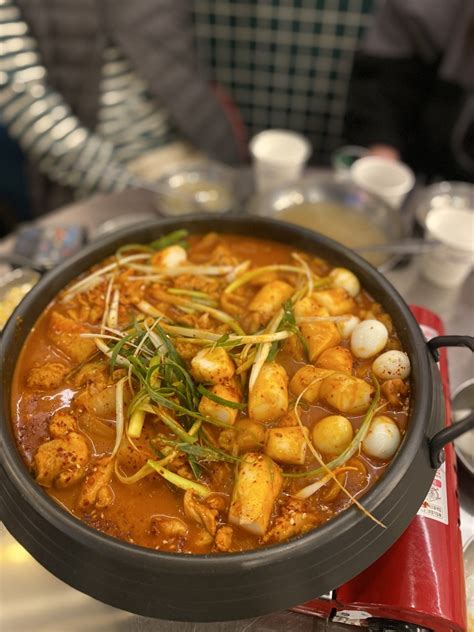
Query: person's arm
[
  {"x": 43, "y": 124},
  {"x": 393, "y": 71}
]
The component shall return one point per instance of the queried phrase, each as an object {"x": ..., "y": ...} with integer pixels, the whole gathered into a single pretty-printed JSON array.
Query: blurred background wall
[{"x": 285, "y": 64}]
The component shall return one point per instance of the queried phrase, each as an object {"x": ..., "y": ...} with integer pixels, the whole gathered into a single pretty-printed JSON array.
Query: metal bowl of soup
[
  {"x": 225, "y": 586},
  {"x": 337, "y": 208}
]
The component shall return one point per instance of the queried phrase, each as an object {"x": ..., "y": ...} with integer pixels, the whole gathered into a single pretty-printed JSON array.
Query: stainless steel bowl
[
  {"x": 323, "y": 194},
  {"x": 206, "y": 187}
]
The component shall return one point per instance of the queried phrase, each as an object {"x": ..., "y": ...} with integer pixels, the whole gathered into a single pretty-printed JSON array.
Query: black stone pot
[{"x": 237, "y": 585}]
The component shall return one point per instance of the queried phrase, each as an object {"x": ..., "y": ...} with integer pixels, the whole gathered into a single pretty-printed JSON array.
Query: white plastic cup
[
  {"x": 279, "y": 157},
  {"x": 450, "y": 264},
  {"x": 392, "y": 180}
]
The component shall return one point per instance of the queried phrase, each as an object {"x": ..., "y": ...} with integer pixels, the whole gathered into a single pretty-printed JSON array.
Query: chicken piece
[
  {"x": 49, "y": 375},
  {"x": 197, "y": 509},
  {"x": 346, "y": 393},
  {"x": 250, "y": 435},
  {"x": 171, "y": 528},
  {"x": 212, "y": 365},
  {"x": 216, "y": 501},
  {"x": 186, "y": 350},
  {"x": 61, "y": 423},
  {"x": 100, "y": 403},
  {"x": 288, "y": 420},
  {"x": 219, "y": 473},
  {"x": 223, "y": 539},
  {"x": 292, "y": 521},
  {"x": 306, "y": 376},
  {"x": 227, "y": 440},
  {"x": 217, "y": 411},
  {"x": 169, "y": 257},
  {"x": 263, "y": 279},
  {"x": 203, "y": 538},
  {"x": 294, "y": 348},
  {"x": 337, "y": 359},
  {"x": 233, "y": 304},
  {"x": 61, "y": 462},
  {"x": 395, "y": 391},
  {"x": 269, "y": 299},
  {"x": 201, "y": 283},
  {"x": 287, "y": 445},
  {"x": 92, "y": 373},
  {"x": 257, "y": 484},
  {"x": 268, "y": 398},
  {"x": 64, "y": 333},
  {"x": 336, "y": 300},
  {"x": 222, "y": 256},
  {"x": 246, "y": 436},
  {"x": 96, "y": 490},
  {"x": 205, "y": 245}
]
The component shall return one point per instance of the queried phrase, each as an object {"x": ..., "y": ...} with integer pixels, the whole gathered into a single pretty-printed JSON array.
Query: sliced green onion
[
  {"x": 135, "y": 425},
  {"x": 205, "y": 453},
  {"x": 311, "y": 489},
  {"x": 150, "y": 310},
  {"x": 119, "y": 424},
  {"x": 108, "y": 295},
  {"x": 219, "y": 400},
  {"x": 145, "y": 470},
  {"x": 99, "y": 274},
  {"x": 307, "y": 271},
  {"x": 252, "y": 274},
  {"x": 175, "y": 238},
  {"x": 264, "y": 349},
  {"x": 120, "y": 360},
  {"x": 232, "y": 340},
  {"x": 179, "y": 481},
  {"x": 139, "y": 247},
  {"x": 180, "y": 270},
  {"x": 202, "y": 297},
  {"x": 175, "y": 427}
]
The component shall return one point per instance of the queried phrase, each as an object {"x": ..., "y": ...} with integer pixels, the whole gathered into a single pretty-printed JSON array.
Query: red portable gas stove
[{"x": 418, "y": 584}]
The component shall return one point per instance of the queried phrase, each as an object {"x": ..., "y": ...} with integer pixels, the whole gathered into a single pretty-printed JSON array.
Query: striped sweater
[{"x": 130, "y": 122}]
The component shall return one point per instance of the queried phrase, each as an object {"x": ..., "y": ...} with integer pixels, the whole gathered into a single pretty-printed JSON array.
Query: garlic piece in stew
[
  {"x": 368, "y": 338},
  {"x": 382, "y": 439},
  {"x": 332, "y": 435},
  {"x": 170, "y": 257},
  {"x": 392, "y": 364},
  {"x": 347, "y": 326},
  {"x": 342, "y": 277}
]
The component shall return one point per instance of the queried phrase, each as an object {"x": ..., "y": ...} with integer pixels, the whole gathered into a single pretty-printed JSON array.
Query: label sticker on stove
[
  {"x": 435, "y": 505},
  {"x": 353, "y": 617}
]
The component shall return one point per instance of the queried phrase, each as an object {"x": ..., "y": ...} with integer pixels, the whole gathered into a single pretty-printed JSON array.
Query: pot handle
[
  {"x": 449, "y": 341},
  {"x": 445, "y": 436}
]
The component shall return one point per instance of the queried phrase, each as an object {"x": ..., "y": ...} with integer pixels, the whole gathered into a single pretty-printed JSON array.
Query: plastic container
[
  {"x": 450, "y": 264},
  {"x": 390, "y": 179},
  {"x": 279, "y": 156}
]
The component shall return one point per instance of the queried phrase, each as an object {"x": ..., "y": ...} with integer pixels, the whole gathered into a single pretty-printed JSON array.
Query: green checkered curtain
[{"x": 285, "y": 63}]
